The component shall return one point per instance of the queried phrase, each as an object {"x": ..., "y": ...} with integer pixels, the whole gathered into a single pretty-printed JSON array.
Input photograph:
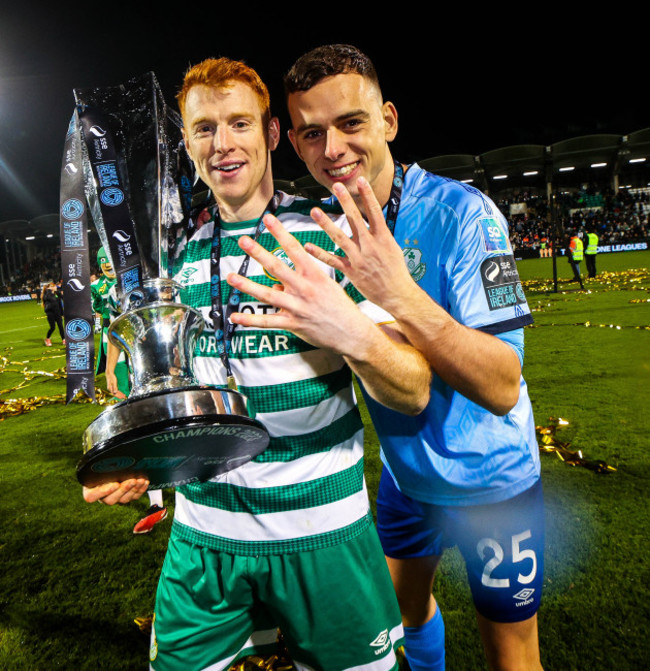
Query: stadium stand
[{"x": 544, "y": 192}]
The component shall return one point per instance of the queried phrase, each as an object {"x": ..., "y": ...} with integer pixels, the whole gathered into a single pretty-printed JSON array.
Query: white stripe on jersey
[
  {"x": 311, "y": 418},
  {"x": 285, "y": 525},
  {"x": 206, "y": 372},
  {"x": 286, "y": 368},
  {"x": 255, "y": 475}
]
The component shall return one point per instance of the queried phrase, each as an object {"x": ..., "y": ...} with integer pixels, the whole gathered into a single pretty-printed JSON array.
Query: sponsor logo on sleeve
[
  {"x": 494, "y": 235},
  {"x": 501, "y": 283}
]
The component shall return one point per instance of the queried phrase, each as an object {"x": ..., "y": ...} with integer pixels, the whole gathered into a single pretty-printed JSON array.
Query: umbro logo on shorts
[
  {"x": 381, "y": 642},
  {"x": 524, "y": 593}
]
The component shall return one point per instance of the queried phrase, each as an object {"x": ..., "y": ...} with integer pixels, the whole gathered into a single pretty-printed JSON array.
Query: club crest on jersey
[
  {"x": 494, "y": 235},
  {"x": 279, "y": 253},
  {"x": 413, "y": 258}
]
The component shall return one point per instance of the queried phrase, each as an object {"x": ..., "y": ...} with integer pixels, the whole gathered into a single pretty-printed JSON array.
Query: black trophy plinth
[
  {"x": 171, "y": 437},
  {"x": 171, "y": 430}
]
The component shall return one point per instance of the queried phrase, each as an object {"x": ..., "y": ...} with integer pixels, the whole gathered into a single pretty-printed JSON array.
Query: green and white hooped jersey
[{"x": 307, "y": 489}]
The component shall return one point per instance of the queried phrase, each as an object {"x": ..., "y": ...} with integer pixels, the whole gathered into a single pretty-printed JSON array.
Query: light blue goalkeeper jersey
[{"x": 455, "y": 242}]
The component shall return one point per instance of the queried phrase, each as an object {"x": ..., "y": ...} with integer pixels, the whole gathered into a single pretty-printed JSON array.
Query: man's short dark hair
[{"x": 327, "y": 61}]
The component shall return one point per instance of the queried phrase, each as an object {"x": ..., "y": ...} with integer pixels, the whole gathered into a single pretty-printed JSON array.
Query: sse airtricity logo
[
  {"x": 492, "y": 271},
  {"x": 72, "y": 209},
  {"x": 121, "y": 236},
  {"x": 76, "y": 285},
  {"x": 97, "y": 131},
  {"x": 112, "y": 197},
  {"x": 77, "y": 329}
]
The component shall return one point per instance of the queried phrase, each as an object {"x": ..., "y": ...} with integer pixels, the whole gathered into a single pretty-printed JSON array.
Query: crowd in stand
[
  {"x": 29, "y": 278},
  {"x": 618, "y": 217}
]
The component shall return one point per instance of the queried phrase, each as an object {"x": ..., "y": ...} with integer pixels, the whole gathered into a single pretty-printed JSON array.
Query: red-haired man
[{"x": 287, "y": 539}]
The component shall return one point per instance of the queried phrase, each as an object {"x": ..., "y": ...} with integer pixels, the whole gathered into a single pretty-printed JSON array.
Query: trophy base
[{"x": 171, "y": 438}]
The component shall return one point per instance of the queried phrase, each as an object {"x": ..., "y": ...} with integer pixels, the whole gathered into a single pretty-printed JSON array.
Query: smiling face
[
  {"x": 230, "y": 146},
  {"x": 341, "y": 129}
]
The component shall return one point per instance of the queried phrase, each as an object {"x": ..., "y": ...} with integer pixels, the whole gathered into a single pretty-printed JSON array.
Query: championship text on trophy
[{"x": 137, "y": 182}]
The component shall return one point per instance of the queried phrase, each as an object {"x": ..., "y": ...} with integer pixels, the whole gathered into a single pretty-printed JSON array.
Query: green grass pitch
[{"x": 74, "y": 577}]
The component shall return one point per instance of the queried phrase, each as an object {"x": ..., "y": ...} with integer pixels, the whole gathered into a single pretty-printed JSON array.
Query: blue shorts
[{"x": 502, "y": 544}]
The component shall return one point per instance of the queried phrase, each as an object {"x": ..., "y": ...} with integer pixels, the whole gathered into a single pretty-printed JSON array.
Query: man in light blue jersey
[
  {"x": 285, "y": 540},
  {"x": 466, "y": 471}
]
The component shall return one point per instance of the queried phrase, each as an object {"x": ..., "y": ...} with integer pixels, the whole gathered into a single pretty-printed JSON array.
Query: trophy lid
[{"x": 137, "y": 175}]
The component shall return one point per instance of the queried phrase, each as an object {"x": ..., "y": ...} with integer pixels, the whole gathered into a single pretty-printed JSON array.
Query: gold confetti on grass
[
  {"x": 12, "y": 407},
  {"x": 548, "y": 442}
]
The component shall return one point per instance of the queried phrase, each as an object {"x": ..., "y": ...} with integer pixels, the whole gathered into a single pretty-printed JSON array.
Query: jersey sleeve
[
  {"x": 516, "y": 340},
  {"x": 484, "y": 289}
]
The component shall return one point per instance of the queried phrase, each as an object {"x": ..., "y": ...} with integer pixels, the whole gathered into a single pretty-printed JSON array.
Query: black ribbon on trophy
[
  {"x": 75, "y": 270},
  {"x": 118, "y": 227},
  {"x": 137, "y": 180}
]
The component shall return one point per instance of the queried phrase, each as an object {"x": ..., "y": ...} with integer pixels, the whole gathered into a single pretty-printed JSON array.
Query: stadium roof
[
  {"x": 589, "y": 158},
  {"x": 533, "y": 165},
  {"x": 551, "y": 163}
]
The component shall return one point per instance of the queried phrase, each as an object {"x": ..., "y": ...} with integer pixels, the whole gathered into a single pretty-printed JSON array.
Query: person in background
[
  {"x": 110, "y": 361},
  {"x": 575, "y": 254},
  {"x": 52, "y": 301},
  {"x": 591, "y": 251}
]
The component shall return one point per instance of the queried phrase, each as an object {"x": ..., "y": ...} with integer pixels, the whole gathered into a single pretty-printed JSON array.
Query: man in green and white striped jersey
[{"x": 286, "y": 540}]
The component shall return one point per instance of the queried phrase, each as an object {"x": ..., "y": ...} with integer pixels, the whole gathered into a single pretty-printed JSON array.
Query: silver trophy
[{"x": 171, "y": 430}]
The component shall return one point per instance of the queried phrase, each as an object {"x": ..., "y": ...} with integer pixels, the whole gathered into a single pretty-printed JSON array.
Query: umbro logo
[
  {"x": 524, "y": 593},
  {"x": 381, "y": 639},
  {"x": 186, "y": 274},
  {"x": 381, "y": 642},
  {"x": 523, "y": 596}
]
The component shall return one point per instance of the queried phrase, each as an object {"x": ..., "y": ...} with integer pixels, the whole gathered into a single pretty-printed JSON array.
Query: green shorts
[{"x": 335, "y": 606}]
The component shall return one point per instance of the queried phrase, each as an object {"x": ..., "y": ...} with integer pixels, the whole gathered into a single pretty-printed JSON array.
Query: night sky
[{"x": 462, "y": 84}]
